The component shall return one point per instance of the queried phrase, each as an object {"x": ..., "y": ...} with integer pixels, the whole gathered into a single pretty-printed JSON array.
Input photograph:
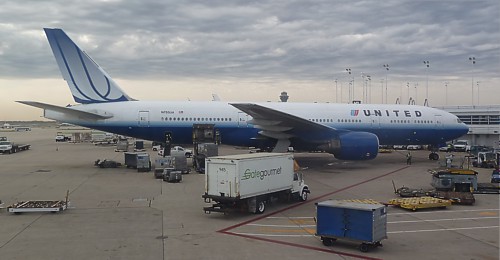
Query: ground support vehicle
[
  {"x": 247, "y": 182},
  {"x": 495, "y": 176},
  {"x": 461, "y": 146},
  {"x": 363, "y": 223},
  {"x": 485, "y": 160},
  {"x": 11, "y": 147},
  {"x": 202, "y": 151},
  {"x": 420, "y": 203},
  {"x": 107, "y": 163},
  {"x": 453, "y": 179},
  {"x": 462, "y": 198},
  {"x": 487, "y": 188}
]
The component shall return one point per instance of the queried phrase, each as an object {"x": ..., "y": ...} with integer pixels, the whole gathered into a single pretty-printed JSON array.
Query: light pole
[
  {"x": 408, "y": 87},
  {"x": 426, "y": 63},
  {"x": 369, "y": 89},
  {"x": 336, "y": 92},
  {"x": 446, "y": 93},
  {"x": 363, "y": 76},
  {"x": 416, "y": 92},
  {"x": 382, "y": 88},
  {"x": 477, "y": 86},
  {"x": 386, "y": 66},
  {"x": 350, "y": 72},
  {"x": 473, "y": 61}
]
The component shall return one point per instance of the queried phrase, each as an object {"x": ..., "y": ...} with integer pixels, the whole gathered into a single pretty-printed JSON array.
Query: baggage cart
[{"x": 362, "y": 223}]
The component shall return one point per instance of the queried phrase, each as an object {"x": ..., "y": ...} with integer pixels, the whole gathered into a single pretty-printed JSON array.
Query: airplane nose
[{"x": 464, "y": 128}]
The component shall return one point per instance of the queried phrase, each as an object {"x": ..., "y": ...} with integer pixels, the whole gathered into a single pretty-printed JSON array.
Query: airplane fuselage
[{"x": 149, "y": 120}]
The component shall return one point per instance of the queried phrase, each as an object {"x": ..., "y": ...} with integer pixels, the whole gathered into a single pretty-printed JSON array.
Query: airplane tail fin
[{"x": 88, "y": 82}]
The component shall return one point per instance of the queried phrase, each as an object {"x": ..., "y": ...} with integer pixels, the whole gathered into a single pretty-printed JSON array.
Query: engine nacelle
[{"x": 353, "y": 146}]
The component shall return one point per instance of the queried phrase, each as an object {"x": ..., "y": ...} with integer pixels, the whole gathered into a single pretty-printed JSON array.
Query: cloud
[{"x": 279, "y": 41}]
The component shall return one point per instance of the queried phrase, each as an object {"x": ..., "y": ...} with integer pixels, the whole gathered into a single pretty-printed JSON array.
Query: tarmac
[{"x": 124, "y": 214}]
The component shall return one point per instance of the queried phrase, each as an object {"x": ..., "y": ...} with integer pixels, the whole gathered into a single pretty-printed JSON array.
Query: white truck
[
  {"x": 461, "y": 146},
  {"x": 246, "y": 182},
  {"x": 11, "y": 147}
]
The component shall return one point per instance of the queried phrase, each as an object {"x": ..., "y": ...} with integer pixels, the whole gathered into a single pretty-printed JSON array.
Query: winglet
[{"x": 88, "y": 82}]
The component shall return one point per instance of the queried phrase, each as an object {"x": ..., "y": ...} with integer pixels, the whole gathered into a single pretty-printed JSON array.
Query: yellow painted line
[
  {"x": 488, "y": 213},
  {"x": 302, "y": 221},
  {"x": 274, "y": 230}
]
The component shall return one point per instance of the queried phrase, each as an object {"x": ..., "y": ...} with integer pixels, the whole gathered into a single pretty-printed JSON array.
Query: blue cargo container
[{"x": 358, "y": 222}]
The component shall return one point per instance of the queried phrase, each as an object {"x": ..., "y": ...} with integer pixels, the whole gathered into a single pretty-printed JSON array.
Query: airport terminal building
[{"x": 483, "y": 122}]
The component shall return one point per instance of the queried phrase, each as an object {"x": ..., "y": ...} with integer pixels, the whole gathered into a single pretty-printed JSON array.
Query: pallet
[{"x": 420, "y": 203}]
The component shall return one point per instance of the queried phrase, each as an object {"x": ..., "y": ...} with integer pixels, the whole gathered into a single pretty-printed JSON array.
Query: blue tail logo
[{"x": 88, "y": 82}]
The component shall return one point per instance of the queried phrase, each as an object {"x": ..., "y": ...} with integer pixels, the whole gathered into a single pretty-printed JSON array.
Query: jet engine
[{"x": 353, "y": 146}]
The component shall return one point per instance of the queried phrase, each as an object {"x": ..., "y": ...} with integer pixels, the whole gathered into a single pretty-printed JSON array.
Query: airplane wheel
[{"x": 434, "y": 156}]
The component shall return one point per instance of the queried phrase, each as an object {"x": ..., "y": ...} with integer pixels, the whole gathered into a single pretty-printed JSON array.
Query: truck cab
[{"x": 299, "y": 187}]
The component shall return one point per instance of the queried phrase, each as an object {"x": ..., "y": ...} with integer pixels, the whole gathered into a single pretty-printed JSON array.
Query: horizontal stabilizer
[{"x": 67, "y": 111}]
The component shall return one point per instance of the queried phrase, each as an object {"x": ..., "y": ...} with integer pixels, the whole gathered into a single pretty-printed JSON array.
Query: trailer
[
  {"x": 52, "y": 206},
  {"x": 247, "y": 182},
  {"x": 363, "y": 223},
  {"x": 38, "y": 206}
]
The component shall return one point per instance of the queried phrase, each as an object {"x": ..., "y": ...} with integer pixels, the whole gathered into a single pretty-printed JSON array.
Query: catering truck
[
  {"x": 11, "y": 147},
  {"x": 247, "y": 182}
]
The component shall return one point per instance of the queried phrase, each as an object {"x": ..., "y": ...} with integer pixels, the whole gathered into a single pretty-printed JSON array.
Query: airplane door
[
  {"x": 143, "y": 120},
  {"x": 242, "y": 120}
]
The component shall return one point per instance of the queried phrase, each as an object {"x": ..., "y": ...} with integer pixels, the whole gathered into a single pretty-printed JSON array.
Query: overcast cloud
[{"x": 244, "y": 46}]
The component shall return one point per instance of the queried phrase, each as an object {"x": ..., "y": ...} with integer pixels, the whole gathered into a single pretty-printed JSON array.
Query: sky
[{"x": 253, "y": 50}]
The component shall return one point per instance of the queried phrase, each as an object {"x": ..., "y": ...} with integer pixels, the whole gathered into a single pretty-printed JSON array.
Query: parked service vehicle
[
  {"x": 414, "y": 147},
  {"x": 495, "y": 176},
  {"x": 60, "y": 137},
  {"x": 448, "y": 148},
  {"x": 247, "y": 182},
  {"x": 178, "y": 149},
  {"x": 485, "y": 160},
  {"x": 187, "y": 152},
  {"x": 461, "y": 146},
  {"x": 11, "y": 147}
]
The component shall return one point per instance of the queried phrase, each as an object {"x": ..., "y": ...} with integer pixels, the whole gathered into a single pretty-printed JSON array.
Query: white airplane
[{"x": 348, "y": 131}]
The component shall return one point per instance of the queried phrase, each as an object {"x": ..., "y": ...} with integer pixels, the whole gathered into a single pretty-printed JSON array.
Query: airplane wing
[
  {"x": 67, "y": 111},
  {"x": 281, "y": 125}
]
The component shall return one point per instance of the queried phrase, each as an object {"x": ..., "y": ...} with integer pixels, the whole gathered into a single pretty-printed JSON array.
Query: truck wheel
[
  {"x": 261, "y": 207},
  {"x": 303, "y": 196},
  {"x": 327, "y": 241},
  {"x": 364, "y": 247}
]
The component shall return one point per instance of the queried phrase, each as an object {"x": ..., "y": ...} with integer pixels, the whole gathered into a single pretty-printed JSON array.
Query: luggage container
[
  {"x": 139, "y": 161},
  {"x": 358, "y": 222},
  {"x": 172, "y": 175},
  {"x": 143, "y": 162}
]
